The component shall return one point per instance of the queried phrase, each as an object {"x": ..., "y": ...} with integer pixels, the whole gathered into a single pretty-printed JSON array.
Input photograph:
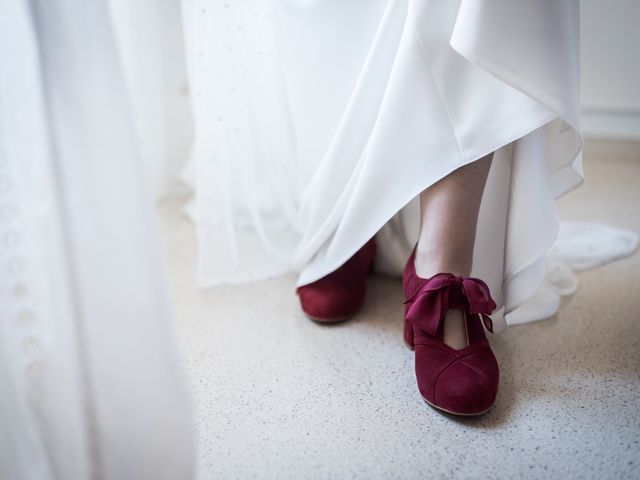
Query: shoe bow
[{"x": 429, "y": 303}]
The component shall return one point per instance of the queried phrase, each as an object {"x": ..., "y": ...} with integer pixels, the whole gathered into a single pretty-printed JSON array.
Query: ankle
[{"x": 427, "y": 264}]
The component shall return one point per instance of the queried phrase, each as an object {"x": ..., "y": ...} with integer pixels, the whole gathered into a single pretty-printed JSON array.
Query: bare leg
[{"x": 448, "y": 219}]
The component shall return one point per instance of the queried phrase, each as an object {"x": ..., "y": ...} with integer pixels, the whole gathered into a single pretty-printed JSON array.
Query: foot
[
  {"x": 339, "y": 295},
  {"x": 462, "y": 381}
]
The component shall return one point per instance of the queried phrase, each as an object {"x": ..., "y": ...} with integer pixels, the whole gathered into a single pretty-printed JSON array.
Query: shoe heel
[{"x": 408, "y": 334}]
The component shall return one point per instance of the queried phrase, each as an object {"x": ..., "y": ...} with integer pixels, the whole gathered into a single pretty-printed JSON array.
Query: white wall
[{"x": 611, "y": 68}]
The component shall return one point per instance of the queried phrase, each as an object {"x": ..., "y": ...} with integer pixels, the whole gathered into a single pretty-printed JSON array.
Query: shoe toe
[
  {"x": 464, "y": 389},
  {"x": 330, "y": 304}
]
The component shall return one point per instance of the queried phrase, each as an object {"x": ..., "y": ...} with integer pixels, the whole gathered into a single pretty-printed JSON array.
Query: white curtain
[{"x": 92, "y": 382}]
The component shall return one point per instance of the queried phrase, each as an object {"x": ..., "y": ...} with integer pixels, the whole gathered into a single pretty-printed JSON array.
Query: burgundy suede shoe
[
  {"x": 339, "y": 295},
  {"x": 465, "y": 381}
]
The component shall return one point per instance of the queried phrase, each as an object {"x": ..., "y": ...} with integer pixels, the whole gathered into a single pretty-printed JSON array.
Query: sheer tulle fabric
[{"x": 305, "y": 148}]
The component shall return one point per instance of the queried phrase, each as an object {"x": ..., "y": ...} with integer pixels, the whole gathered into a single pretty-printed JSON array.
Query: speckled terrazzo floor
[{"x": 278, "y": 396}]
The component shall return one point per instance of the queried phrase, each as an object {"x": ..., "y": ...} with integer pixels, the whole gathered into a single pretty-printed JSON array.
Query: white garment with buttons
[{"x": 91, "y": 384}]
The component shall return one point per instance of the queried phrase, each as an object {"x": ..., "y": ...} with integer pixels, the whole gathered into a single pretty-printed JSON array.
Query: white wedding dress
[{"x": 317, "y": 124}]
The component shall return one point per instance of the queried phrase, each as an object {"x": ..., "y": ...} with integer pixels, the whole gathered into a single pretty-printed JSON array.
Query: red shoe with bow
[
  {"x": 465, "y": 381},
  {"x": 339, "y": 295}
]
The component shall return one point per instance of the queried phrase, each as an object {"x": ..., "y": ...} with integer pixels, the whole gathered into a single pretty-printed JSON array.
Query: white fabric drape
[{"x": 92, "y": 386}]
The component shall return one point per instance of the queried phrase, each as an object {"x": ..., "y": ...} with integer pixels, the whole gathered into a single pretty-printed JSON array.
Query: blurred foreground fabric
[{"x": 91, "y": 378}]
